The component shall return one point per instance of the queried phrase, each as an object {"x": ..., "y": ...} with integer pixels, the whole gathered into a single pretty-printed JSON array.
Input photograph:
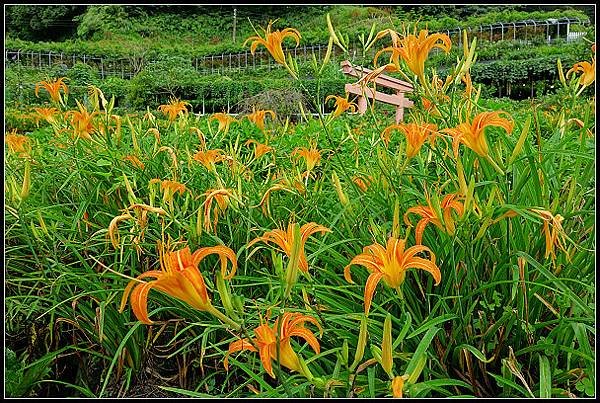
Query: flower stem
[
  {"x": 226, "y": 319},
  {"x": 494, "y": 164}
]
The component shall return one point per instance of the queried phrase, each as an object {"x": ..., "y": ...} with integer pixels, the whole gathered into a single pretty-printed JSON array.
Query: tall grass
[{"x": 506, "y": 320}]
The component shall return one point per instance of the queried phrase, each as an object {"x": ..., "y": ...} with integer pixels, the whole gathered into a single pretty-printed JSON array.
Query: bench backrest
[{"x": 382, "y": 79}]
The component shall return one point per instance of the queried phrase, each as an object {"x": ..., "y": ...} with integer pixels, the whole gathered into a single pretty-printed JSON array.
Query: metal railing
[{"x": 521, "y": 31}]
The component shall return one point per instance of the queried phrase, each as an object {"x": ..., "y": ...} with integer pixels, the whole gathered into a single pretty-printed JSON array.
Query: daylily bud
[
  {"x": 130, "y": 195},
  {"x": 561, "y": 74},
  {"x": 338, "y": 188},
  {"x": 396, "y": 220},
  {"x": 238, "y": 304},
  {"x": 277, "y": 264},
  {"x": 418, "y": 369},
  {"x": 361, "y": 344},
  {"x": 521, "y": 141},
  {"x": 333, "y": 35},
  {"x": 293, "y": 265},
  {"x": 199, "y": 222},
  {"x": 26, "y": 181},
  {"x": 225, "y": 296},
  {"x": 327, "y": 54},
  {"x": 376, "y": 352},
  {"x": 345, "y": 352},
  {"x": 387, "y": 361}
]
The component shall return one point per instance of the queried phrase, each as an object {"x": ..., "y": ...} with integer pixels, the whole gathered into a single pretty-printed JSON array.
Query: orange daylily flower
[
  {"x": 17, "y": 143},
  {"x": 415, "y": 133},
  {"x": 311, "y": 156},
  {"x": 390, "y": 264},
  {"x": 588, "y": 71},
  {"x": 82, "y": 122},
  {"x": 260, "y": 149},
  {"x": 268, "y": 344},
  {"x": 414, "y": 50},
  {"x": 372, "y": 76},
  {"x": 178, "y": 277},
  {"x": 174, "y": 108},
  {"x": 428, "y": 213},
  {"x": 273, "y": 42},
  {"x": 398, "y": 385},
  {"x": 341, "y": 105},
  {"x": 554, "y": 237},
  {"x": 169, "y": 188},
  {"x": 224, "y": 121},
  {"x": 362, "y": 182},
  {"x": 472, "y": 134},
  {"x": 222, "y": 197},
  {"x": 209, "y": 158},
  {"x": 258, "y": 117},
  {"x": 53, "y": 88},
  {"x": 134, "y": 160},
  {"x": 285, "y": 240},
  {"x": 47, "y": 114}
]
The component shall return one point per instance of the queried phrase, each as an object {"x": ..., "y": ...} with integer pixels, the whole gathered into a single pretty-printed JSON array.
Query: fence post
[
  {"x": 102, "y": 67},
  {"x": 49, "y": 59},
  {"x": 230, "y": 61}
]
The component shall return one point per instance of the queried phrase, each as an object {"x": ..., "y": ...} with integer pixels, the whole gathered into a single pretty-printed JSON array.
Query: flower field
[{"x": 166, "y": 253}]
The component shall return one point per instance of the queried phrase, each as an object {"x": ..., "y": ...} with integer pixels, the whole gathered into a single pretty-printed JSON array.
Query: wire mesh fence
[{"x": 525, "y": 32}]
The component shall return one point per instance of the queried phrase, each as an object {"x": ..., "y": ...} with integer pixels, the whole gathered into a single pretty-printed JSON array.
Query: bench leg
[
  {"x": 362, "y": 105},
  {"x": 399, "y": 114}
]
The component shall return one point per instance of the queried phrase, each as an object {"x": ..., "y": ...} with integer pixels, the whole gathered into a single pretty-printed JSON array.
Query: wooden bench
[{"x": 397, "y": 99}]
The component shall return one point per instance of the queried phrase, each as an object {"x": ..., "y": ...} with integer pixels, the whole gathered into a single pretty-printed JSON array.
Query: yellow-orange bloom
[
  {"x": 363, "y": 182},
  {"x": 224, "y": 121},
  {"x": 260, "y": 149},
  {"x": 311, "y": 156},
  {"x": 134, "y": 160},
  {"x": 82, "y": 122},
  {"x": 178, "y": 277},
  {"x": 47, "y": 114},
  {"x": 53, "y": 88},
  {"x": 397, "y": 386},
  {"x": 273, "y": 42},
  {"x": 390, "y": 264},
  {"x": 267, "y": 344},
  {"x": 209, "y": 158},
  {"x": 415, "y": 133},
  {"x": 174, "y": 108},
  {"x": 414, "y": 50},
  {"x": 428, "y": 213},
  {"x": 222, "y": 197},
  {"x": 258, "y": 117},
  {"x": 285, "y": 240},
  {"x": 472, "y": 134},
  {"x": 554, "y": 237},
  {"x": 341, "y": 105},
  {"x": 17, "y": 143},
  {"x": 587, "y": 70}
]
